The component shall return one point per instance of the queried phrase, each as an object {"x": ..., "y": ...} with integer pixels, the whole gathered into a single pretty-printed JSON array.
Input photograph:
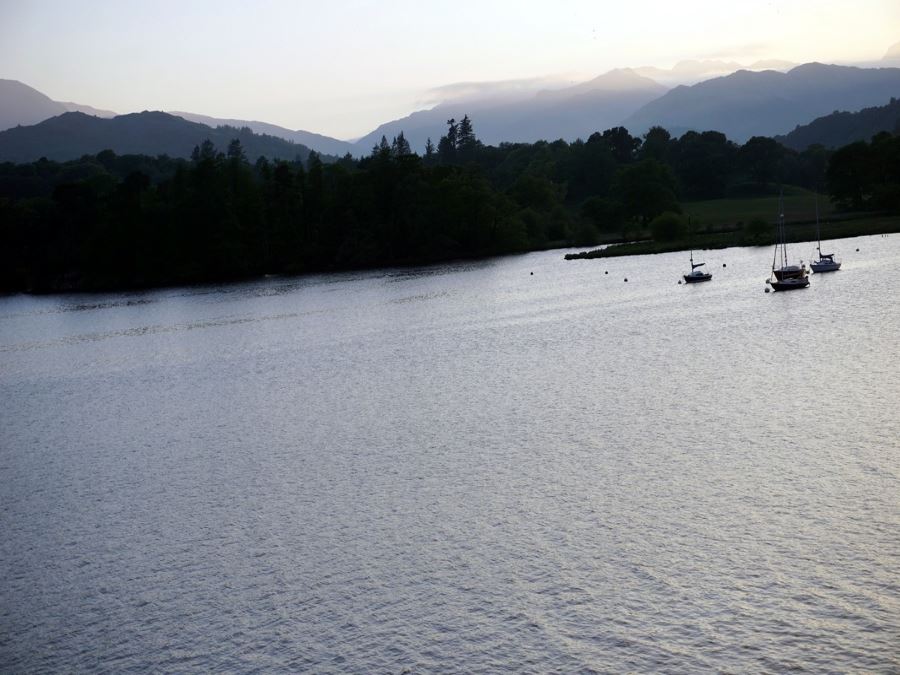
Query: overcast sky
[{"x": 341, "y": 67}]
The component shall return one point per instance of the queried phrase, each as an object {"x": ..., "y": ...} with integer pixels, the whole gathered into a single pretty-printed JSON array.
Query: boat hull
[
  {"x": 792, "y": 272},
  {"x": 825, "y": 267},
  {"x": 696, "y": 278},
  {"x": 789, "y": 284}
]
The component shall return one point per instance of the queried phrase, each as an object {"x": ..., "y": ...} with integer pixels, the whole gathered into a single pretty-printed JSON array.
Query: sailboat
[
  {"x": 785, "y": 277},
  {"x": 696, "y": 275},
  {"x": 826, "y": 261}
]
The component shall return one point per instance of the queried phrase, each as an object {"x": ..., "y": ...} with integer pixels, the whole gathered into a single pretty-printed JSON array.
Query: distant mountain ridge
[
  {"x": 74, "y": 134},
  {"x": 569, "y": 113},
  {"x": 841, "y": 128},
  {"x": 741, "y": 104},
  {"x": 87, "y": 109},
  {"x": 317, "y": 142},
  {"x": 21, "y": 105},
  {"x": 766, "y": 103},
  {"x": 692, "y": 71},
  {"x": 893, "y": 53}
]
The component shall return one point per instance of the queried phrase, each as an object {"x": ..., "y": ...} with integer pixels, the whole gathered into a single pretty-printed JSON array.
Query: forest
[{"x": 107, "y": 221}]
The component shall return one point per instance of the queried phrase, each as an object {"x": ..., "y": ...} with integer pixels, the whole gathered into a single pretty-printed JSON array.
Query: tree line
[{"x": 109, "y": 221}]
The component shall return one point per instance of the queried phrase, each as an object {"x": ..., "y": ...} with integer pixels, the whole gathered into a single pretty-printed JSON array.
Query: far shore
[{"x": 796, "y": 232}]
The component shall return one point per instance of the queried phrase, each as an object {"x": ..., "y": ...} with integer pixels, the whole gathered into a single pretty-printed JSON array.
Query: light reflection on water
[{"x": 463, "y": 467}]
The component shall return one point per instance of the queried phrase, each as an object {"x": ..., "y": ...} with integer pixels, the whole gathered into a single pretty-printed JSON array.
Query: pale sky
[{"x": 342, "y": 67}]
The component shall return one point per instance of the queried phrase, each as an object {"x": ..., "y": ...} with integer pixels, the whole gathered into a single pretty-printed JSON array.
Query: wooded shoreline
[{"x": 796, "y": 233}]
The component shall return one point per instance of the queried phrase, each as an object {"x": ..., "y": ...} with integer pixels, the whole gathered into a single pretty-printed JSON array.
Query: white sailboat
[{"x": 826, "y": 261}]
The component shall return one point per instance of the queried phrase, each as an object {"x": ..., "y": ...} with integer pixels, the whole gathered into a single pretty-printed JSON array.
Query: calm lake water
[{"x": 459, "y": 468}]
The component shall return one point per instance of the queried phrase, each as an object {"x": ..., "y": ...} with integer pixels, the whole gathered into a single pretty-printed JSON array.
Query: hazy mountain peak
[
  {"x": 772, "y": 64},
  {"x": 87, "y": 109},
  {"x": 893, "y": 53},
  {"x": 623, "y": 79},
  {"x": 747, "y": 103},
  {"x": 317, "y": 142},
  {"x": 24, "y": 105},
  {"x": 692, "y": 71},
  {"x": 616, "y": 81},
  {"x": 21, "y": 105},
  {"x": 704, "y": 66}
]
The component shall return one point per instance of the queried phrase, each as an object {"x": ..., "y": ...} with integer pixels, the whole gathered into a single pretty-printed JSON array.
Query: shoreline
[{"x": 797, "y": 233}]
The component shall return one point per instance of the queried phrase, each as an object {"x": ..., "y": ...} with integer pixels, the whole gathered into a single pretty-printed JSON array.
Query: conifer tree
[
  {"x": 466, "y": 142},
  {"x": 400, "y": 146},
  {"x": 447, "y": 144},
  {"x": 236, "y": 151}
]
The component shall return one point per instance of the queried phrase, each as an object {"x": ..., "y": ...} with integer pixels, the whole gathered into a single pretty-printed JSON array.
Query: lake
[{"x": 517, "y": 464}]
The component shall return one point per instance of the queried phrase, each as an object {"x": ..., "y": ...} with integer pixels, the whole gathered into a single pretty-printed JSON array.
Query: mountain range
[
  {"x": 318, "y": 142},
  {"x": 570, "y": 113},
  {"x": 74, "y": 134},
  {"x": 740, "y": 104},
  {"x": 21, "y": 105},
  {"x": 693, "y": 71},
  {"x": 767, "y": 103}
]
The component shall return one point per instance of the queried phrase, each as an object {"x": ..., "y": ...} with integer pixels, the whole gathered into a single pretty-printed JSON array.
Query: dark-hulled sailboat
[
  {"x": 785, "y": 276},
  {"x": 696, "y": 275}
]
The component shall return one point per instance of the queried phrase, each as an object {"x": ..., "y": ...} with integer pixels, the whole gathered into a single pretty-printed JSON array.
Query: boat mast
[
  {"x": 781, "y": 225},
  {"x": 775, "y": 252},
  {"x": 818, "y": 232},
  {"x": 691, "y": 239}
]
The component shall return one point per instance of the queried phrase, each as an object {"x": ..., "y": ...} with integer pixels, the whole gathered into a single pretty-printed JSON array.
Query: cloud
[{"x": 459, "y": 92}]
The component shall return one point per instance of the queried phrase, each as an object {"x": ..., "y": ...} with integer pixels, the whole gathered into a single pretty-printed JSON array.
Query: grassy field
[
  {"x": 721, "y": 223},
  {"x": 799, "y": 206}
]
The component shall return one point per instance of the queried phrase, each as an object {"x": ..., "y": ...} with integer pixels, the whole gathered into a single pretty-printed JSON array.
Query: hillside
[
  {"x": 318, "y": 142},
  {"x": 841, "y": 128},
  {"x": 74, "y": 134},
  {"x": 767, "y": 103},
  {"x": 23, "y": 105},
  {"x": 569, "y": 113}
]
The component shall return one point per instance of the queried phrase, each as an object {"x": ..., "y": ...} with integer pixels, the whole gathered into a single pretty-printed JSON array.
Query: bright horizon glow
[{"x": 343, "y": 68}]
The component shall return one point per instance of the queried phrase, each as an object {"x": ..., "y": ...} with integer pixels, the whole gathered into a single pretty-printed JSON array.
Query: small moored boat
[
  {"x": 785, "y": 277},
  {"x": 826, "y": 261},
  {"x": 696, "y": 275}
]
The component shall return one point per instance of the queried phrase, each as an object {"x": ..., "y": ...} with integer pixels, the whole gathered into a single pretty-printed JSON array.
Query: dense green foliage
[
  {"x": 108, "y": 220},
  {"x": 867, "y": 175}
]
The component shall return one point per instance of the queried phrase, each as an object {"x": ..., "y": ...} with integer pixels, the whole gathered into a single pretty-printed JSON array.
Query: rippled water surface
[{"x": 461, "y": 468}]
